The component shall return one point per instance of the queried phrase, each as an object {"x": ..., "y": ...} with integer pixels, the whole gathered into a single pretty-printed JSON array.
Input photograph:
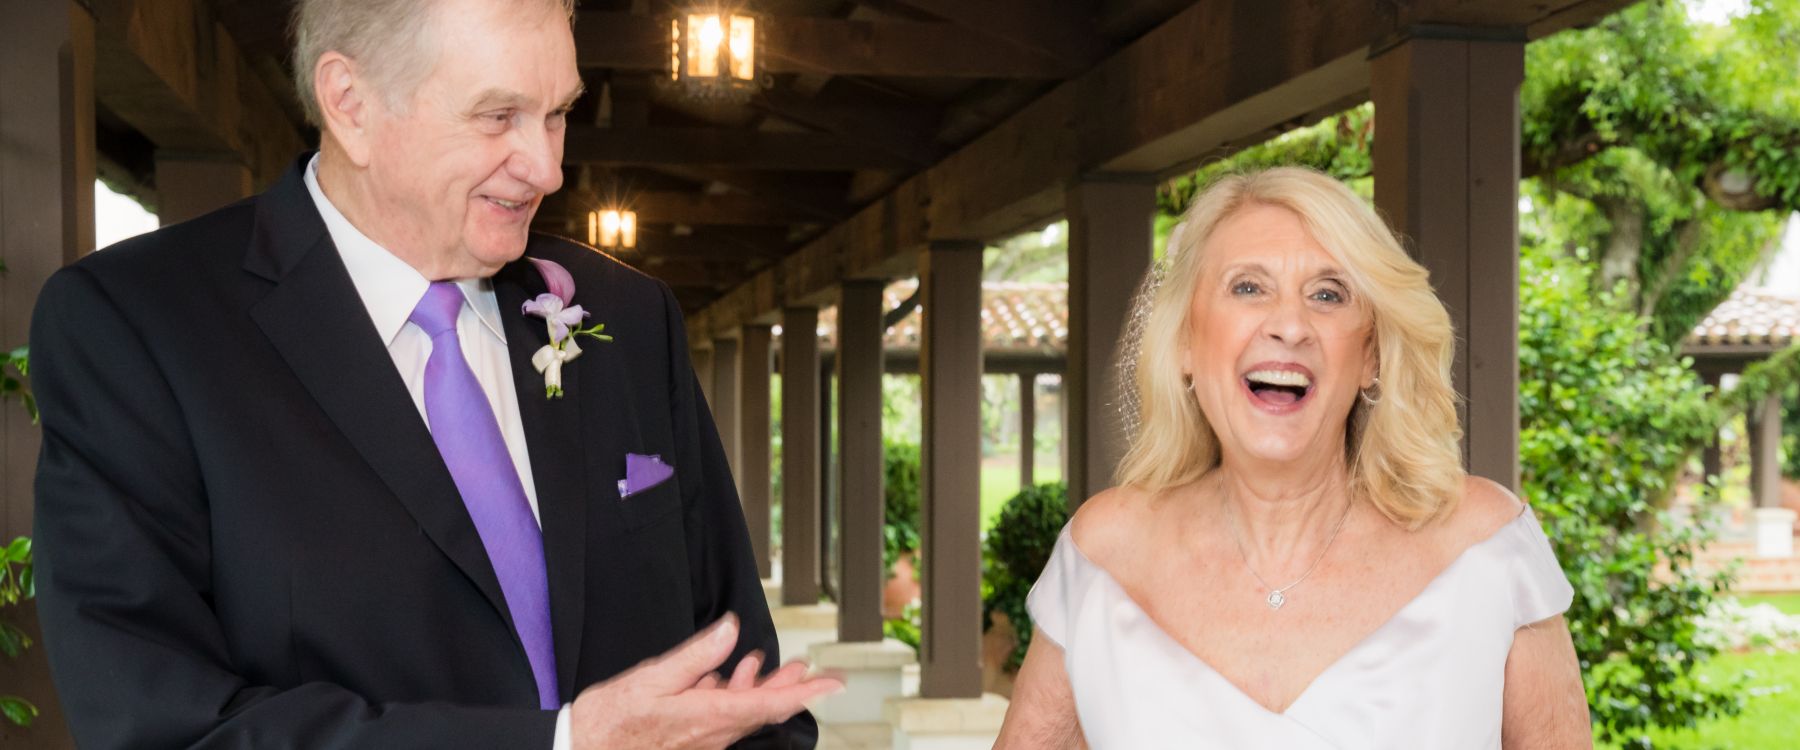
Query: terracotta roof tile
[
  {"x": 1749, "y": 317},
  {"x": 1015, "y": 317}
]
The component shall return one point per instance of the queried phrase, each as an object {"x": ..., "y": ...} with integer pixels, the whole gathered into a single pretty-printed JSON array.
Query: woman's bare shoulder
[
  {"x": 1486, "y": 507},
  {"x": 1108, "y": 520}
]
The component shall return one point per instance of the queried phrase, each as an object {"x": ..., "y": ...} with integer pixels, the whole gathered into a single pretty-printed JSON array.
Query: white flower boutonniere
[{"x": 564, "y": 320}]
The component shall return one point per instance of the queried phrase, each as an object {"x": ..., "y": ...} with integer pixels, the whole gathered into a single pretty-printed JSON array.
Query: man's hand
[{"x": 677, "y": 701}]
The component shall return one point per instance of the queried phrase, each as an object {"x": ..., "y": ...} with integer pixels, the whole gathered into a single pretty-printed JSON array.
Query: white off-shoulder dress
[{"x": 1430, "y": 678}]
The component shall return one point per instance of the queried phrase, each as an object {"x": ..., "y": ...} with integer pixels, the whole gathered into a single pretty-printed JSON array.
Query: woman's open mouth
[{"x": 1280, "y": 389}]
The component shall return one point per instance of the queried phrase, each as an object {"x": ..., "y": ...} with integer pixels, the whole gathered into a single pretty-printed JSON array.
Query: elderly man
[{"x": 322, "y": 469}]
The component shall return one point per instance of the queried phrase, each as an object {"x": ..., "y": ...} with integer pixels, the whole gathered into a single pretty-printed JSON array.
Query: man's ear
[{"x": 345, "y": 105}]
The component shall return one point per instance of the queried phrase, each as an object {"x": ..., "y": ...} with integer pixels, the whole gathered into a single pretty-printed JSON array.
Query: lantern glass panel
[{"x": 743, "y": 47}]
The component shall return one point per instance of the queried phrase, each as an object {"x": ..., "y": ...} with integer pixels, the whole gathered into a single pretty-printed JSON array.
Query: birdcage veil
[{"x": 1131, "y": 344}]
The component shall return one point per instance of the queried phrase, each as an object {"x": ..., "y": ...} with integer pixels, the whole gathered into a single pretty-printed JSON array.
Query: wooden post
[
  {"x": 753, "y": 441},
  {"x": 830, "y": 511},
  {"x": 1447, "y": 178},
  {"x": 950, "y": 470},
  {"x": 47, "y": 61},
  {"x": 860, "y": 491},
  {"x": 1027, "y": 430},
  {"x": 190, "y": 185},
  {"x": 1110, "y": 243},
  {"x": 1711, "y": 460},
  {"x": 799, "y": 456},
  {"x": 1764, "y": 422}
]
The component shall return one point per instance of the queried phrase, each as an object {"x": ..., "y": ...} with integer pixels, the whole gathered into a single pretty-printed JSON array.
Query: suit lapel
[
  {"x": 555, "y": 440},
  {"x": 315, "y": 319}
]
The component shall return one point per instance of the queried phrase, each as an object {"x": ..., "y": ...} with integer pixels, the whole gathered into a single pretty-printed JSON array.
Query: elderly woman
[{"x": 1294, "y": 557}]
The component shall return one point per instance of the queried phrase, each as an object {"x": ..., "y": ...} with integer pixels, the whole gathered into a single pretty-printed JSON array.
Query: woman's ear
[
  {"x": 344, "y": 105},
  {"x": 1371, "y": 362}
]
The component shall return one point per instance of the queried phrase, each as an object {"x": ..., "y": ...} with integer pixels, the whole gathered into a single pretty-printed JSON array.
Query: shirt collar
[{"x": 390, "y": 288}]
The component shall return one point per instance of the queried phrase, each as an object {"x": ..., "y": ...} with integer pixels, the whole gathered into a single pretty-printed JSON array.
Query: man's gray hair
[{"x": 389, "y": 39}]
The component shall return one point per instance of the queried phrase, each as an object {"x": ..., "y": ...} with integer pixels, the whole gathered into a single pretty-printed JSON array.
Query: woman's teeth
[
  {"x": 508, "y": 205},
  {"x": 1280, "y": 377}
]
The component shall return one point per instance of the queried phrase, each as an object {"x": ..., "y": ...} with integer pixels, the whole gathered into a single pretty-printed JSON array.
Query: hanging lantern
[
  {"x": 612, "y": 229},
  {"x": 713, "y": 53}
]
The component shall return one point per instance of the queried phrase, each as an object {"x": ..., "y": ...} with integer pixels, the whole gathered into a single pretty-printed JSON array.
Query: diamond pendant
[{"x": 1276, "y": 600}]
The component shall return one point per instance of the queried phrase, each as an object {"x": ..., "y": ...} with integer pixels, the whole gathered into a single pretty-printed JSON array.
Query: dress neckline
[{"x": 1524, "y": 516}]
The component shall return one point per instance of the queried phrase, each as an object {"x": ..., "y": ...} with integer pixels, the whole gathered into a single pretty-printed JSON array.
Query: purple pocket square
[{"x": 643, "y": 472}]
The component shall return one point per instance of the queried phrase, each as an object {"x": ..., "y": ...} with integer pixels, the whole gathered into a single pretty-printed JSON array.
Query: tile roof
[
  {"x": 1015, "y": 317},
  {"x": 1749, "y": 317}
]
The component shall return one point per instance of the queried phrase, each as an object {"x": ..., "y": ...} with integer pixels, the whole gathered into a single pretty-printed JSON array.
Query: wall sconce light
[{"x": 612, "y": 229}]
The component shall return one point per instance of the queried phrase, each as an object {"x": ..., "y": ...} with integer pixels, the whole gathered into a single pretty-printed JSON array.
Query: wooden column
[
  {"x": 799, "y": 456},
  {"x": 860, "y": 480},
  {"x": 725, "y": 401},
  {"x": 830, "y": 513},
  {"x": 1110, "y": 235},
  {"x": 753, "y": 440},
  {"x": 1764, "y": 422},
  {"x": 1711, "y": 461},
  {"x": 1447, "y": 177},
  {"x": 1027, "y": 429},
  {"x": 47, "y": 63},
  {"x": 950, "y": 469},
  {"x": 190, "y": 185}
]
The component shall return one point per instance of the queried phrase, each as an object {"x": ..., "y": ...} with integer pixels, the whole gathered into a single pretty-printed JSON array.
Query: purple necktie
[{"x": 468, "y": 437}]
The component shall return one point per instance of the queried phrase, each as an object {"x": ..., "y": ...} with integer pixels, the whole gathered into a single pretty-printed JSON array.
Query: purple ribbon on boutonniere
[
  {"x": 564, "y": 320},
  {"x": 643, "y": 472}
]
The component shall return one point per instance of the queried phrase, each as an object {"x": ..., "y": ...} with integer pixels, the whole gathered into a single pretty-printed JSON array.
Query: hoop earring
[{"x": 1375, "y": 385}]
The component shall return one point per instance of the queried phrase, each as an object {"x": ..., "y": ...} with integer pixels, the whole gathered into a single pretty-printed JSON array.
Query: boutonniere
[{"x": 564, "y": 320}]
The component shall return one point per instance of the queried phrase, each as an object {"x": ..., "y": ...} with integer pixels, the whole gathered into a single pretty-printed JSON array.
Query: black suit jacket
[{"x": 246, "y": 536}]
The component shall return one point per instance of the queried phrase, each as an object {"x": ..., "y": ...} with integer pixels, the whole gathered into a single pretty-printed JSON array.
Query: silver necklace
[{"x": 1278, "y": 596}]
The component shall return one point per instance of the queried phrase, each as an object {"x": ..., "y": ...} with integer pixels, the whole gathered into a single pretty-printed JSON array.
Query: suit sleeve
[
  {"x": 124, "y": 569},
  {"x": 720, "y": 558}
]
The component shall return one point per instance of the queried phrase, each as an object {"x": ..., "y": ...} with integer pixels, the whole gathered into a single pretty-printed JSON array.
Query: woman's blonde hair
[{"x": 1404, "y": 449}]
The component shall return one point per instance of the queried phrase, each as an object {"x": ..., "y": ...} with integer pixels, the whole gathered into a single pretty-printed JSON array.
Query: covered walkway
[{"x": 886, "y": 139}]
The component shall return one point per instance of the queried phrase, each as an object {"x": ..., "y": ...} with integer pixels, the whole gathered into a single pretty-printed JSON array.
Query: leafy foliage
[
  {"x": 11, "y": 384},
  {"x": 1609, "y": 416},
  {"x": 900, "y": 502},
  {"x": 1015, "y": 552},
  {"x": 16, "y": 585}
]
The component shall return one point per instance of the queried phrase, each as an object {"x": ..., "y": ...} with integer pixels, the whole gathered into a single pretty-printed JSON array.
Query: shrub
[
  {"x": 900, "y": 526},
  {"x": 1015, "y": 553},
  {"x": 1609, "y": 417}
]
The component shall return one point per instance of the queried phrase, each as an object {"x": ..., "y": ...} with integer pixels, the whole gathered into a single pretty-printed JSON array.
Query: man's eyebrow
[
  {"x": 500, "y": 98},
  {"x": 569, "y": 101}
]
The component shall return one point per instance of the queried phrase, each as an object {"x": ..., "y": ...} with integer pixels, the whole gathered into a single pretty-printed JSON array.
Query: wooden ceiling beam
[
  {"x": 692, "y": 208},
  {"x": 725, "y": 147},
  {"x": 825, "y": 200},
  {"x": 172, "y": 71},
  {"x": 828, "y": 46},
  {"x": 1064, "y": 28},
  {"x": 1210, "y": 76},
  {"x": 903, "y": 132}
]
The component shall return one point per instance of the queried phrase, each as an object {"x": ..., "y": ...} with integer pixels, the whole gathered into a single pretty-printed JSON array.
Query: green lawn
[
  {"x": 1000, "y": 481},
  {"x": 1789, "y": 603},
  {"x": 1771, "y": 718}
]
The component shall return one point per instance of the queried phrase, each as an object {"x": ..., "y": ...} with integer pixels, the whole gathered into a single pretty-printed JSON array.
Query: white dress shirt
[{"x": 390, "y": 289}]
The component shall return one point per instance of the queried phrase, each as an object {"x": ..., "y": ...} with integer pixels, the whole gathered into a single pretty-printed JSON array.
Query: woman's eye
[
  {"x": 1328, "y": 295},
  {"x": 556, "y": 119},
  {"x": 1245, "y": 288}
]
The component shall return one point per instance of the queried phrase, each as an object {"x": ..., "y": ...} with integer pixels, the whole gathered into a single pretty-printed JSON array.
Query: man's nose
[{"x": 537, "y": 159}]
